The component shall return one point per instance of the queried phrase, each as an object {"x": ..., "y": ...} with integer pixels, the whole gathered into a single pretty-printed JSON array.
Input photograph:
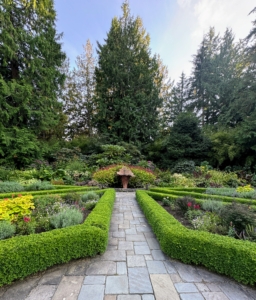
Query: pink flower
[
  {"x": 196, "y": 206},
  {"x": 189, "y": 204},
  {"x": 26, "y": 219}
]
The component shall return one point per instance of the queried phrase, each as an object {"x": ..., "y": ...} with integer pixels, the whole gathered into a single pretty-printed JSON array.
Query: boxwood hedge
[
  {"x": 221, "y": 254},
  {"x": 24, "y": 255}
]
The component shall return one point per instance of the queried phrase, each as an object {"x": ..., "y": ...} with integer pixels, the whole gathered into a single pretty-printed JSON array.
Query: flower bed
[
  {"x": 221, "y": 254},
  {"x": 24, "y": 255}
]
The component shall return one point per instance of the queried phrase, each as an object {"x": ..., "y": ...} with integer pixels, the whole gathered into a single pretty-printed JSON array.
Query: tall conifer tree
[{"x": 127, "y": 83}]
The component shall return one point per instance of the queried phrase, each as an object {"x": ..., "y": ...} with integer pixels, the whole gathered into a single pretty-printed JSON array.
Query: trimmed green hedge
[
  {"x": 24, "y": 255},
  {"x": 184, "y": 192},
  {"x": 221, "y": 254},
  {"x": 45, "y": 192}
]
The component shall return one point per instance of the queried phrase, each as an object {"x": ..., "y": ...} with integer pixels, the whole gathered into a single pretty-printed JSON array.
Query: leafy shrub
[
  {"x": 166, "y": 201},
  {"x": 109, "y": 177},
  {"x": 40, "y": 186},
  {"x": 90, "y": 196},
  {"x": 245, "y": 189},
  {"x": 184, "y": 203},
  {"x": 47, "y": 205},
  {"x": 12, "y": 209},
  {"x": 71, "y": 198},
  {"x": 67, "y": 217},
  {"x": 26, "y": 226},
  {"x": 180, "y": 180},
  {"x": 212, "y": 205},
  {"x": 90, "y": 204},
  {"x": 192, "y": 214},
  {"x": 7, "y": 229},
  {"x": 57, "y": 182},
  {"x": 185, "y": 166},
  {"x": 224, "y": 178},
  {"x": 10, "y": 186},
  {"x": 207, "y": 222},
  {"x": 240, "y": 216},
  {"x": 232, "y": 192}
]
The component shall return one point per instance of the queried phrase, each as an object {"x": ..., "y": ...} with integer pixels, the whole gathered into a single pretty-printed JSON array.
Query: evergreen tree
[
  {"x": 30, "y": 57},
  {"x": 128, "y": 83},
  {"x": 78, "y": 94}
]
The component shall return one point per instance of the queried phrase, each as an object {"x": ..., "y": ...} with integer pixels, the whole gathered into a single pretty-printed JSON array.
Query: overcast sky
[{"x": 176, "y": 27}]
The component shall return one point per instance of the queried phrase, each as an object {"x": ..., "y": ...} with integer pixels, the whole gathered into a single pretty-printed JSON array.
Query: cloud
[{"x": 184, "y": 3}]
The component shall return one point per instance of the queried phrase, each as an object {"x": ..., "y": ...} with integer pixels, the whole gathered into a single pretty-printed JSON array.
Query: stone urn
[{"x": 125, "y": 174}]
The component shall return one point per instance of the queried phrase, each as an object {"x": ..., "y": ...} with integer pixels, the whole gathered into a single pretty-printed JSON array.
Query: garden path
[{"x": 132, "y": 268}]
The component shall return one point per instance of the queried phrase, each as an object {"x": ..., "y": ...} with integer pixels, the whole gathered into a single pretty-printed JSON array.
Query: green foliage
[
  {"x": 10, "y": 186},
  {"x": 166, "y": 201},
  {"x": 67, "y": 217},
  {"x": 207, "y": 222},
  {"x": 40, "y": 186},
  {"x": 231, "y": 192},
  {"x": 238, "y": 215},
  {"x": 186, "y": 166},
  {"x": 109, "y": 177},
  {"x": 19, "y": 255},
  {"x": 90, "y": 204},
  {"x": 71, "y": 198},
  {"x": 90, "y": 196},
  {"x": 212, "y": 206},
  {"x": 26, "y": 226},
  {"x": 127, "y": 78},
  {"x": 7, "y": 229},
  {"x": 184, "y": 203},
  {"x": 218, "y": 253}
]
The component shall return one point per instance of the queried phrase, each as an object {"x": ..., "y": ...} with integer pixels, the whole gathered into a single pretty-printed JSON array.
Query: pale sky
[{"x": 176, "y": 27}]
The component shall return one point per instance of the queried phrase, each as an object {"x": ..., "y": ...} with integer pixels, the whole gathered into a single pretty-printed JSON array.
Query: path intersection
[{"x": 132, "y": 268}]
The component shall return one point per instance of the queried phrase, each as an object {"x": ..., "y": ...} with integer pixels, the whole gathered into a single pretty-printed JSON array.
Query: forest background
[{"x": 120, "y": 94}]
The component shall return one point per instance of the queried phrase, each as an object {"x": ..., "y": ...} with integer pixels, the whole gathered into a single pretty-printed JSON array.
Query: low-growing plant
[
  {"x": 245, "y": 189},
  {"x": 67, "y": 217},
  {"x": 71, "y": 198},
  {"x": 47, "y": 205},
  {"x": 7, "y": 229},
  {"x": 10, "y": 186},
  {"x": 89, "y": 205},
  {"x": 184, "y": 203},
  {"x": 207, "y": 222},
  {"x": 232, "y": 192},
  {"x": 26, "y": 226},
  {"x": 40, "y": 186},
  {"x": 212, "y": 205},
  {"x": 239, "y": 215},
  {"x": 166, "y": 201},
  {"x": 180, "y": 180},
  {"x": 192, "y": 214},
  {"x": 89, "y": 196}
]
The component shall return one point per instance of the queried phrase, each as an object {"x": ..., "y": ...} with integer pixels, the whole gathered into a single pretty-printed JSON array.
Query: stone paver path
[{"x": 132, "y": 268}]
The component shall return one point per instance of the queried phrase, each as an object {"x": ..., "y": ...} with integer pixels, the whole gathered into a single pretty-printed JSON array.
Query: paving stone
[
  {"x": 138, "y": 215},
  {"x": 191, "y": 296},
  {"x": 141, "y": 250},
  {"x": 68, "y": 288},
  {"x": 129, "y": 252},
  {"x": 121, "y": 268},
  {"x": 117, "y": 284},
  {"x": 135, "y": 238},
  {"x": 130, "y": 231},
  {"x": 233, "y": 291},
  {"x": 129, "y": 297},
  {"x": 128, "y": 217},
  {"x": 118, "y": 234},
  {"x": 114, "y": 255},
  {"x": 202, "y": 287},
  {"x": 92, "y": 292},
  {"x": 124, "y": 245},
  {"x": 187, "y": 273},
  {"x": 175, "y": 278},
  {"x": 135, "y": 221},
  {"x": 148, "y": 257},
  {"x": 113, "y": 241},
  {"x": 139, "y": 281},
  {"x": 153, "y": 244},
  {"x": 251, "y": 292},
  {"x": 169, "y": 267},
  {"x": 208, "y": 276},
  {"x": 42, "y": 292},
  {"x": 149, "y": 235},
  {"x": 158, "y": 255},
  {"x": 78, "y": 268},
  {"x": 148, "y": 297},
  {"x": 163, "y": 287},
  {"x": 102, "y": 268},
  {"x": 110, "y": 297},
  {"x": 213, "y": 287},
  {"x": 20, "y": 289},
  {"x": 156, "y": 267},
  {"x": 140, "y": 244},
  {"x": 214, "y": 296},
  {"x": 143, "y": 228},
  {"x": 94, "y": 280},
  {"x": 111, "y": 247},
  {"x": 135, "y": 261},
  {"x": 52, "y": 276},
  {"x": 124, "y": 226},
  {"x": 186, "y": 287}
]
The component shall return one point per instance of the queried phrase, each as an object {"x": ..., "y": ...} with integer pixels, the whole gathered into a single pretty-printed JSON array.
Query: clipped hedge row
[
  {"x": 184, "y": 192},
  {"x": 221, "y": 254},
  {"x": 24, "y": 255},
  {"x": 45, "y": 192}
]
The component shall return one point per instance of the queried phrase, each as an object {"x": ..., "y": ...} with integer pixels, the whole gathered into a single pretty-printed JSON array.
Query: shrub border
[
  {"x": 24, "y": 255},
  {"x": 221, "y": 254}
]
